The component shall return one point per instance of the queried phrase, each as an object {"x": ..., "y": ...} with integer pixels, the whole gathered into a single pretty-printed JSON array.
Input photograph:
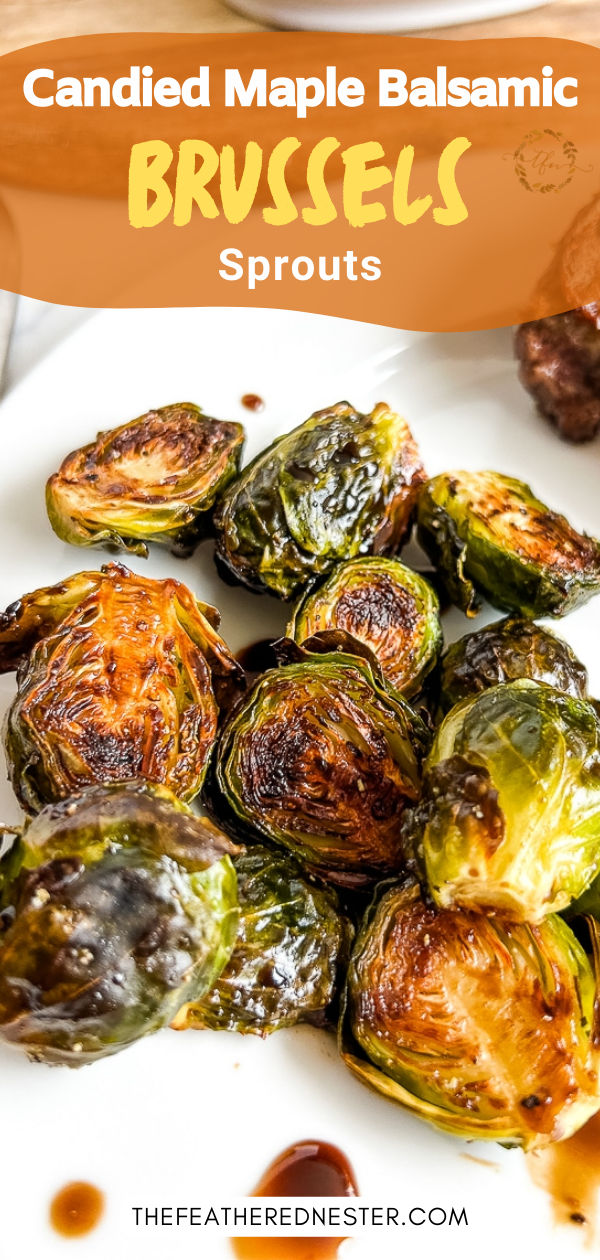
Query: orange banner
[{"x": 422, "y": 184}]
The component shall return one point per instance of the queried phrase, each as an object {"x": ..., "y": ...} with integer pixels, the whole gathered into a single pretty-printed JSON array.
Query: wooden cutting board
[{"x": 31, "y": 21}]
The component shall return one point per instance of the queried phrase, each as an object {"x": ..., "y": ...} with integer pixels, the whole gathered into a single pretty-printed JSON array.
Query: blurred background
[
  {"x": 29, "y": 329},
  {"x": 31, "y": 21}
]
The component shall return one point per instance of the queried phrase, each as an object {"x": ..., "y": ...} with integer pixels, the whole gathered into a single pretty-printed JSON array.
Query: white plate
[
  {"x": 377, "y": 15},
  {"x": 187, "y": 1117}
]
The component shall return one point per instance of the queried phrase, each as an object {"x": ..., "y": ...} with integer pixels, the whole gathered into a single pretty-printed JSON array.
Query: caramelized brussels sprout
[
  {"x": 119, "y": 677},
  {"x": 488, "y": 534},
  {"x": 506, "y": 650},
  {"x": 484, "y": 1027},
  {"x": 122, "y": 906},
  {"x": 155, "y": 479},
  {"x": 320, "y": 759},
  {"x": 291, "y": 942},
  {"x": 341, "y": 485},
  {"x": 510, "y": 815},
  {"x": 387, "y": 606}
]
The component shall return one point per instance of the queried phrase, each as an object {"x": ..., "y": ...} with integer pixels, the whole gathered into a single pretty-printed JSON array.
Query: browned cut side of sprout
[
  {"x": 120, "y": 678},
  {"x": 482, "y": 1026},
  {"x": 155, "y": 479}
]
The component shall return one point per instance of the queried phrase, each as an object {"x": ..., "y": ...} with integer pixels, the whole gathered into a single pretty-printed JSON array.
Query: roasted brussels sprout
[
  {"x": 484, "y": 1027},
  {"x": 119, "y": 677},
  {"x": 341, "y": 485},
  {"x": 503, "y": 651},
  {"x": 291, "y": 942},
  {"x": 122, "y": 906},
  {"x": 155, "y": 479},
  {"x": 320, "y": 759},
  {"x": 510, "y": 814},
  {"x": 387, "y": 606},
  {"x": 488, "y": 534}
]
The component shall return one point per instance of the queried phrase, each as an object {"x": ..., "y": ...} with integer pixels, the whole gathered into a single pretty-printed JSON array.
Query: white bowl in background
[{"x": 376, "y": 15}]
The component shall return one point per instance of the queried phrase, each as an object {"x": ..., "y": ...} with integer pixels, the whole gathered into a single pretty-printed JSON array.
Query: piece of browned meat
[{"x": 559, "y": 361}]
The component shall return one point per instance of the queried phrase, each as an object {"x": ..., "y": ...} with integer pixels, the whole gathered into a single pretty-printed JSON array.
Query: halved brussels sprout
[
  {"x": 341, "y": 485},
  {"x": 484, "y": 1027},
  {"x": 119, "y": 677},
  {"x": 510, "y": 814},
  {"x": 155, "y": 479},
  {"x": 321, "y": 759},
  {"x": 488, "y": 534},
  {"x": 291, "y": 942},
  {"x": 503, "y": 651},
  {"x": 122, "y": 906},
  {"x": 381, "y": 603}
]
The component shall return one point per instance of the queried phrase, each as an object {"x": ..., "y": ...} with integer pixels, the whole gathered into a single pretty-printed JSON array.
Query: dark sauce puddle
[
  {"x": 306, "y": 1169},
  {"x": 569, "y": 1172},
  {"x": 257, "y": 657}
]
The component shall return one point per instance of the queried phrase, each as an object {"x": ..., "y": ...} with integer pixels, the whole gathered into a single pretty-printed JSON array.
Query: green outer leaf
[
  {"x": 439, "y": 538},
  {"x": 481, "y": 529},
  {"x": 510, "y": 814},
  {"x": 409, "y": 1077},
  {"x": 384, "y": 604},
  {"x": 113, "y": 817}
]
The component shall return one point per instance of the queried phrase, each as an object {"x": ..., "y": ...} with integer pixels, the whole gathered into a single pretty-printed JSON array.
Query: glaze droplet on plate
[
  {"x": 306, "y": 1169},
  {"x": 253, "y": 402},
  {"x": 76, "y": 1209}
]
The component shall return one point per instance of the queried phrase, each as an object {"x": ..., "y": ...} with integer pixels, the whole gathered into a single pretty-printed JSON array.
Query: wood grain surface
[{"x": 25, "y": 22}]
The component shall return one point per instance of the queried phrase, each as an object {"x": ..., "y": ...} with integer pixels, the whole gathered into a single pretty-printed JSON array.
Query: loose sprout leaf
[
  {"x": 341, "y": 485},
  {"x": 155, "y": 479}
]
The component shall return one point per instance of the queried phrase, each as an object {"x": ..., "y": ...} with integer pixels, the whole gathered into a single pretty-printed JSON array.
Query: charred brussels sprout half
[
  {"x": 504, "y": 651},
  {"x": 290, "y": 945},
  {"x": 381, "y": 603},
  {"x": 484, "y": 1027},
  {"x": 155, "y": 479},
  {"x": 122, "y": 906},
  {"x": 322, "y": 760},
  {"x": 489, "y": 535},
  {"x": 119, "y": 678},
  {"x": 341, "y": 485},
  {"x": 510, "y": 814}
]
